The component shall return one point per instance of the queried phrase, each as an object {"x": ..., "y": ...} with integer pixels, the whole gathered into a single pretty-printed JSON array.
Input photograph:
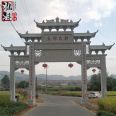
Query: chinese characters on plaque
[{"x": 55, "y": 38}]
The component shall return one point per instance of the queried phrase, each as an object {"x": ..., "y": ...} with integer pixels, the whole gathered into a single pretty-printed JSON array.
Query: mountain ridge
[{"x": 20, "y": 76}]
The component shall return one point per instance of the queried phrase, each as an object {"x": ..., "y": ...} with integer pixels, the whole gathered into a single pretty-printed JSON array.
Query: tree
[
  {"x": 5, "y": 82},
  {"x": 23, "y": 84},
  {"x": 94, "y": 83},
  {"x": 111, "y": 83}
]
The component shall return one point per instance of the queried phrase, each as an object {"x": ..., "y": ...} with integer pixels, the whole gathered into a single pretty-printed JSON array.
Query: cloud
[
  {"x": 88, "y": 10},
  {"x": 100, "y": 9}
]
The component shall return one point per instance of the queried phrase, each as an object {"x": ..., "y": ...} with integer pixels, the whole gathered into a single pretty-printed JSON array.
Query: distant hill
[
  {"x": 58, "y": 77},
  {"x": 20, "y": 76},
  {"x": 113, "y": 75}
]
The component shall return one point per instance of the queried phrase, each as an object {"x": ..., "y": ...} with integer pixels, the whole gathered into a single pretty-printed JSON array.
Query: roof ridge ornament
[
  {"x": 3, "y": 47},
  {"x": 57, "y": 19},
  {"x": 76, "y": 23},
  {"x": 26, "y": 32},
  {"x": 103, "y": 44},
  {"x": 111, "y": 46},
  {"x": 11, "y": 45},
  {"x": 88, "y": 31},
  {"x": 35, "y": 21},
  {"x": 95, "y": 33}
]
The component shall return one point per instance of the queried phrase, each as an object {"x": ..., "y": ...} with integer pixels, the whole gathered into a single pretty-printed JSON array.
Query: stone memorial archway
[{"x": 57, "y": 46}]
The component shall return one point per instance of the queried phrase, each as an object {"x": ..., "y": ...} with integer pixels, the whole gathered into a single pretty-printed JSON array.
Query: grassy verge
[
  {"x": 108, "y": 104},
  {"x": 8, "y": 108},
  {"x": 65, "y": 93},
  {"x": 11, "y": 108},
  {"x": 104, "y": 113},
  {"x": 111, "y": 93}
]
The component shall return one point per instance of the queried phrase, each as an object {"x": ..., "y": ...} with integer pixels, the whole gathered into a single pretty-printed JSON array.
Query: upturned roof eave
[
  {"x": 59, "y": 24},
  {"x": 27, "y": 35},
  {"x": 14, "y": 48},
  {"x": 101, "y": 47},
  {"x": 90, "y": 35}
]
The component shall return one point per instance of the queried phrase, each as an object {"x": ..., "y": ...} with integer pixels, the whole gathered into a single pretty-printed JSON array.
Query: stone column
[
  {"x": 31, "y": 75},
  {"x": 84, "y": 72},
  {"x": 12, "y": 79},
  {"x": 103, "y": 76}
]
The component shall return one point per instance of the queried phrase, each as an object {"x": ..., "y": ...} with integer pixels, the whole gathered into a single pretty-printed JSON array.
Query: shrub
[
  {"x": 114, "y": 89},
  {"x": 12, "y": 108},
  {"x": 108, "y": 104},
  {"x": 104, "y": 113},
  {"x": 8, "y": 108}
]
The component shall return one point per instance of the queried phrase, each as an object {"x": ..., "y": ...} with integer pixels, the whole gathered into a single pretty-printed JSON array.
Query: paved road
[{"x": 59, "y": 106}]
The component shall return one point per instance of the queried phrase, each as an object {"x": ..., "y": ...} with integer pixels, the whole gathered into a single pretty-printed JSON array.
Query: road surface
[{"x": 59, "y": 106}]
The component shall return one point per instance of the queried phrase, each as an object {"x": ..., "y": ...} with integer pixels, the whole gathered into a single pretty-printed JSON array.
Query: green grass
[
  {"x": 65, "y": 93},
  {"x": 111, "y": 93},
  {"x": 11, "y": 108},
  {"x": 71, "y": 93},
  {"x": 4, "y": 97},
  {"x": 8, "y": 108},
  {"x": 108, "y": 104}
]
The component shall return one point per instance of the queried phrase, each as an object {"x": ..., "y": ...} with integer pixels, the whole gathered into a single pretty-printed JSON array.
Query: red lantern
[
  {"x": 45, "y": 65},
  {"x": 22, "y": 71},
  {"x": 70, "y": 65},
  {"x": 94, "y": 70}
]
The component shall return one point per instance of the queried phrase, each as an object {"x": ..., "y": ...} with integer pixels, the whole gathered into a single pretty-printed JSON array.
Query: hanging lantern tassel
[
  {"x": 70, "y": 65},
  {"x": 45, "y": 65},
  {"x": 93, "y": 70},
  {"x": 22, "y": 71}
]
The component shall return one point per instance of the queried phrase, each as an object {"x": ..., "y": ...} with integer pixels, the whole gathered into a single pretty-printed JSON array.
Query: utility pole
[
  {"x": 36, "y": 88},
  {"x": 46, "y": 82}
]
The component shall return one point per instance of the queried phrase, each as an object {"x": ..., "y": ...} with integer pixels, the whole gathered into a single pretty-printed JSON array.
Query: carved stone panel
[
  {"x": 77, "y": 52},
  {"x": 58, "y": 56},
  {"x": 21, "y": 64},
  {"x": 38, "y": 53},
  {"x": 93, "y": 61}
]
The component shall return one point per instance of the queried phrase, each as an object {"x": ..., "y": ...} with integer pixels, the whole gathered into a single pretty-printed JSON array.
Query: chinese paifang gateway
[{"x": 58, "y": 44}]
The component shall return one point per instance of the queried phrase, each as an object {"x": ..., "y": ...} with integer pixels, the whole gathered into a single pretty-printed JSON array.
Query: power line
[
  {"x": 13, "y": 26},
  {"x": 15, "y": 29},
  {"x": 4, "y": 65}
]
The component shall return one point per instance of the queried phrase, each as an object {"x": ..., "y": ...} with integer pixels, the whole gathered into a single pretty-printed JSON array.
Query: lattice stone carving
[
  {"x": 38, "y": 53},
  {"x": 93, "y": 61},
  {"x": 21, "y": 63},
  {"x": 77, "y": 52}
]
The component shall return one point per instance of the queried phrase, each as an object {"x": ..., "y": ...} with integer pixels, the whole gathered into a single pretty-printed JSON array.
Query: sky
[{"x": 95, "y": 15}]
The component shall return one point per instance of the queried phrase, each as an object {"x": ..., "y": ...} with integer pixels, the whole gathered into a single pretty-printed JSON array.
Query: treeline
[
  {"x": 95, "y": 83},
  {"x": 5, "y": 83}
]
